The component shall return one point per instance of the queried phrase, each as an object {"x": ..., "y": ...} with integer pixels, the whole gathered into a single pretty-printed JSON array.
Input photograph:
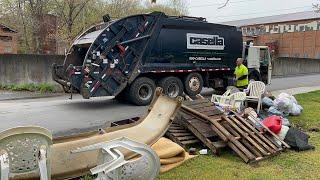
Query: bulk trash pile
[
  {"x": 284, "y": 105},
  {"x": 253, "y": 136},
  {"x": 278, "y": 111}
]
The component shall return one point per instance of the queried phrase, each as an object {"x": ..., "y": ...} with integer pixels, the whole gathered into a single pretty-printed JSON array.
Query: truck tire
[
  {"x": 172, "y": 86},
  {"x": 193, "y": 84},
  {"x": 141, "y": 91}
]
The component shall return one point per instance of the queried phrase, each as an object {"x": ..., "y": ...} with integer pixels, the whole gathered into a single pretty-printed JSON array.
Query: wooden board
[
  {"x": 180, "y": 135},
  {"x": 201, "y": 129}
]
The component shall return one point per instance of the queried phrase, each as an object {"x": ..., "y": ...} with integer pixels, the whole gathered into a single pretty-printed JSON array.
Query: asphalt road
[{"x": 63, "y": 116}]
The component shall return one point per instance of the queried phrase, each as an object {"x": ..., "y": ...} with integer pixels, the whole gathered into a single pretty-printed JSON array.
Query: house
[
  {"x": 294, "y": 35},
  {"x": 8, "y": 40}
]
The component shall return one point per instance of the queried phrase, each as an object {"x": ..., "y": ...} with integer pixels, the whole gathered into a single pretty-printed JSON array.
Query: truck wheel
[
  {"x": 172, "y": 86},
  {"x": 193, "y": 84},
  {"x": 141, "y": 91}
]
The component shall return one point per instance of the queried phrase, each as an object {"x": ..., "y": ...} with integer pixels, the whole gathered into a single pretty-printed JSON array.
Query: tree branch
[{"x": 224, "y": 5}]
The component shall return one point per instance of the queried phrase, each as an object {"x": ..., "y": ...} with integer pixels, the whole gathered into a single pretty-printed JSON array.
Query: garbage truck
[{"x": 129, "y": 57}]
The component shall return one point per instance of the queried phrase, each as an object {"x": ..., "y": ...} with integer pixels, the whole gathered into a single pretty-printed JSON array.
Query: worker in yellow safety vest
[{"x": 241, "y": 75}]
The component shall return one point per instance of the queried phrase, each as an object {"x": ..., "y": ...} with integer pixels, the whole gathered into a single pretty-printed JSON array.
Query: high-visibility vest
[{"x": 241, "y": 71}]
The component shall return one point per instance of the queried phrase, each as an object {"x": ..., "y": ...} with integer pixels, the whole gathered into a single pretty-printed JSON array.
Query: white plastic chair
[
  {"x": 256, "y": 90},
  {"x": 237, "y": 99},
  {"x": 25, "y": 150},
  {"x": 113, "y": 164},
  {"x": 221, "y": 99}
]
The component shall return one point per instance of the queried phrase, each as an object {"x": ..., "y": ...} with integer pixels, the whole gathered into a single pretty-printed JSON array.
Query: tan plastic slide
[{"x": 64, "y": 164}]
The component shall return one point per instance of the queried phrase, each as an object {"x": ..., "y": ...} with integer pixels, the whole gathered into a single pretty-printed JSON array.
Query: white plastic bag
[
  {"x": 267, "y": 101},
  {"x": 283, "y": 104},
  {"x": 274, "y": 111},
  {"x": 296, "y": 110}
]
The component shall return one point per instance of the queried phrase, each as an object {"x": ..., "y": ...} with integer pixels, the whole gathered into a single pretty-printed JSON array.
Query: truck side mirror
[{"x": 106, "y": 18}]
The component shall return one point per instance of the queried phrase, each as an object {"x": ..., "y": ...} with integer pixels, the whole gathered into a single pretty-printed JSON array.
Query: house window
[
  {"x": 8, "y": 50},
  {"x": 6, "y": 38}
]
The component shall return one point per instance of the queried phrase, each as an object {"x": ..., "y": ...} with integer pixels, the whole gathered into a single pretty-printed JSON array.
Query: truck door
[
  {"x": 265, "y": 65},
  {"x": 253, "y": 60}
]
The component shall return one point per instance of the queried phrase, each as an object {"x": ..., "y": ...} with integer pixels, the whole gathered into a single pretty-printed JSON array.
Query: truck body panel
[{"x": 109, "y": 57}]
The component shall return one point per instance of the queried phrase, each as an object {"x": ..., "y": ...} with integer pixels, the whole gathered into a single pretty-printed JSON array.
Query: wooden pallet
[
  {"x": 199, "y": 128},
  {"x": 181, "y": 136},
  {"x": 241, "y": 135}
]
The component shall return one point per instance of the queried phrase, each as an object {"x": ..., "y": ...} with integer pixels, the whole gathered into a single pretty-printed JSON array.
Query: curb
[{"x": 31, "y": 97}]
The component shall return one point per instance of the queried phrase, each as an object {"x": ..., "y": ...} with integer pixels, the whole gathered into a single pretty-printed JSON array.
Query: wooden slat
[
  {"x": 219, "y": 144},
  {"x": 233, "y": 140},
  {"x": 255, "y": 136},
  {"x": 262, "y": 137},
  {"x": 186, "y": 138},
  {"x": 273, "y": 134},
  {"x": 190, "y": 141},
  {"x": 221, "y": 135},
  {"x": 200, "y": 135},
  {"x": 181, "y": 134},
  {"x": 206, "y": 104},
  {"x": 195, "y": 102},
  {"x": 177, "y": 130},
  {"x": 251, "y": 148},
  {"x": 246, "y": 136}
]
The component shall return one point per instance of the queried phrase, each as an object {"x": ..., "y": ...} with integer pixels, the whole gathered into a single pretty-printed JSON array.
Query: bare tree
[
  {"x": 21, "y": 10},
  {"x": 224, "y": 5},
  {"x": 69, "y": 11}
]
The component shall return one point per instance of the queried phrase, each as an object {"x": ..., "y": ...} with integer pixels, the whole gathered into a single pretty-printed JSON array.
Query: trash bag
[
  {"x": 290, "y": 97},
  {"x": 273, "y": 123},
  {"x": 296, "y": 110},
  {"x": 298, "y": 140},
  {"x": 274, "y": 111},
  {"x": 283, "y": 132},
  {"x": 233, "y": 89},
  {"x": 283, "y": 95},
  {"x": 283, "y": 104},
  {"x": 285, "y": 122},
  {"x": 287, "y": 104},
  {"x": 266, "y": 101}
]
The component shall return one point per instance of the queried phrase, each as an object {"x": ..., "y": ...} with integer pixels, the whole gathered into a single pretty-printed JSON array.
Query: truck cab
[{"x": 259, "y": 62}]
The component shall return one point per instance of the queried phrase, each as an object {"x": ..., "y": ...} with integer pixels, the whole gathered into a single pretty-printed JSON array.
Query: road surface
[{"x": 63, "y": 116}]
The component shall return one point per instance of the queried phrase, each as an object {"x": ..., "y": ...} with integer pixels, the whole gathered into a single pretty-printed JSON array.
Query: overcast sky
[{"x": 243, "y": 9}]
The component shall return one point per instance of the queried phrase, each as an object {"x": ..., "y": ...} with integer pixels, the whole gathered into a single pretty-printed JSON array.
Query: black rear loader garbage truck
[{"x": 129, "y": 57}]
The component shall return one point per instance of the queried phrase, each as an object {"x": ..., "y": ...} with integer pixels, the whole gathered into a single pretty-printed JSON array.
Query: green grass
[
  {"x": 287, "y": 165},
  {"x": 310, "y": 118},
  {"x": 41, "y": 87}
]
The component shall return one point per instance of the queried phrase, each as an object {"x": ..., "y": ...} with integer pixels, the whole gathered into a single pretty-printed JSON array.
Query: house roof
[
  {"x": 306, "y": 15},
  {"x": 8, "y": 28}
]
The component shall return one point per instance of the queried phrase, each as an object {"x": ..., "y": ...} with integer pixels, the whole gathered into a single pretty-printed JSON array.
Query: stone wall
[
  {"x": 27, "y": 68},
  {"x": 295, "y": 66}
]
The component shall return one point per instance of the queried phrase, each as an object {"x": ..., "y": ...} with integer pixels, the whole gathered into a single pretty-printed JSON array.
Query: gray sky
[{"x": 243, "y": 9}]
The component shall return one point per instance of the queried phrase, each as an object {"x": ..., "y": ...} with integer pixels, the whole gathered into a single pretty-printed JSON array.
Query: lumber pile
[{"x": 216, "y": 130}]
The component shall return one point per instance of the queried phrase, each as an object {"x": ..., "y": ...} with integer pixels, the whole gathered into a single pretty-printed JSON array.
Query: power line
[
  {"x": 215, "y": 4},
  {"x": 260, "y": 12}
]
